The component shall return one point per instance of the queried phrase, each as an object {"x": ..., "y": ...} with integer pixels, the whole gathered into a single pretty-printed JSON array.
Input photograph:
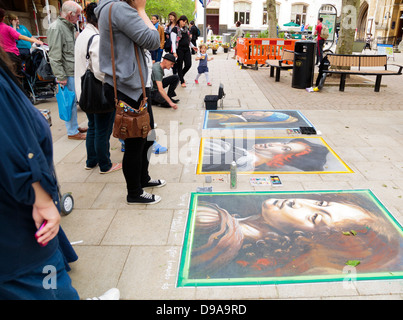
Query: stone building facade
[
  {"x": 222, "y": 14},
  {"x": 381, "y": 18}
]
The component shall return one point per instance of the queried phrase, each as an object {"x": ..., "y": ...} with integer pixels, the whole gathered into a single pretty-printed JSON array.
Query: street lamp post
[{"x": 205, "y": 21}]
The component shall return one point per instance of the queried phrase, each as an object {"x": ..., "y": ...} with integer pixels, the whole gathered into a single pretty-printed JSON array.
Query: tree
[
  {"x": 348, "y": 26},
  {"x": 271, "y": 18},
  {"x": 163, "y": 8}
]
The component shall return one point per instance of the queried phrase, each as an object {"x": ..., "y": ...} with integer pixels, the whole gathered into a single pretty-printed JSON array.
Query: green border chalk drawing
[{"x": 218, "y": 250}]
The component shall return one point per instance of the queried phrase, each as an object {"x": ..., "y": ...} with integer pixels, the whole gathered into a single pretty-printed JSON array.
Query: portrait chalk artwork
[
  {"x": 255, "y": 119},
  {"x": 269, "y": 155},
  {"x": 254, "y": 238}
]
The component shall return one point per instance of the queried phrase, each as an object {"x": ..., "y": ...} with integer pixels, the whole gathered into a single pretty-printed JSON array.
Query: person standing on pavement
[
  {"x": 180, "y": 37},
  {"x": 61, "y": 39},
  {"x": 100, "y": 125},
  {"x": 238, "y": 34},
  {"x": 158, "y": 94},
  {"x": 173, "y": 18},
  {"x": 33, "y": 246},
  {"x": 130, "y": 26},
  {"x": 203, "y": 58},
  {"x": 209, "y": 31},
  {"x": 320, "y": 41},
  {"x": 29, "y": 197},
  {"x": 157, "y": 54},
  {"x": 195, "y": 33}
]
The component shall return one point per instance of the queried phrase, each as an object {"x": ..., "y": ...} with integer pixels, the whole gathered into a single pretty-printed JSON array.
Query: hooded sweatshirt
[{"x": 128, "y": 28}]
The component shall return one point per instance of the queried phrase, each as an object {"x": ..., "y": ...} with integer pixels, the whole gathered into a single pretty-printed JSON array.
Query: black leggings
[
  {"x": 319, "y": 55},
  {"x": 184, "y": 56},
  {"x": 137, "y": 150}
]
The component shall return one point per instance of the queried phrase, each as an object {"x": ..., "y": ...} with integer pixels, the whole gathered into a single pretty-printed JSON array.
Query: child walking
[{"x": 202, "y": 56}]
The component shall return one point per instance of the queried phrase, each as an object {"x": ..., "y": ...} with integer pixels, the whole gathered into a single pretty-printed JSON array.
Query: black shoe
[
  {"x": 155, "y": 184},
  {"x": 145, "y": 198},
  {"x": 175, "y": 100}
]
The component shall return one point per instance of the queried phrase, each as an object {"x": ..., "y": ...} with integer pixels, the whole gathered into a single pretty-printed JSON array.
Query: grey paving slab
[
  {"x": 139, "y": 227},
  {"x": 88, "y": 226},
  {"x": 156, "y": 269},
  {"x": 98, "y": 269},
  {"x": 138, "y": 248}
]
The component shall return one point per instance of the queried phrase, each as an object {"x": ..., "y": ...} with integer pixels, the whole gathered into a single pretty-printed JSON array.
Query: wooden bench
[
  {"x": 369, "y": 62},
  {"x": 285, "y": 63}
]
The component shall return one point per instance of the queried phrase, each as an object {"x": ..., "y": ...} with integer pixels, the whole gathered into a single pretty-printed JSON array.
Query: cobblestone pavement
[{"x": 138, "y": 249}]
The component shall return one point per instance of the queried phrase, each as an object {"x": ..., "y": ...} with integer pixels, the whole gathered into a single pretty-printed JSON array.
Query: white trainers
[{"x": 111, "y": 294}]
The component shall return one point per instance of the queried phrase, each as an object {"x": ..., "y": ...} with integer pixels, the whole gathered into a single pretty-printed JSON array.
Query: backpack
[
  {"x": 324, "y": 33},
  {"x": 198, "y": 32}
]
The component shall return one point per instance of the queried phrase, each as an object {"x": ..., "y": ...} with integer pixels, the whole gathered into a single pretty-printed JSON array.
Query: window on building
[
  {"x": 242, "y": 12},
  {"x": 265, "y": 12},
  {"x": 325, "y": 8},
  {"x": 298, "y": 13}
]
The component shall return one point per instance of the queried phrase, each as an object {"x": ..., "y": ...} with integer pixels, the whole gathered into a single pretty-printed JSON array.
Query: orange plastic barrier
[{"x": 255, "y": 51}]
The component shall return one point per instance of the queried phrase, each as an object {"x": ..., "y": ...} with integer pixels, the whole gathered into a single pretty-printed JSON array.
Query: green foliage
[
  {"x": 163, "y": 8},
  {"x": 263, "y": 34}
]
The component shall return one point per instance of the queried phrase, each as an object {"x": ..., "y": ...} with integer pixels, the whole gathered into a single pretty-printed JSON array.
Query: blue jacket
[{"x": 26, "y": 151}]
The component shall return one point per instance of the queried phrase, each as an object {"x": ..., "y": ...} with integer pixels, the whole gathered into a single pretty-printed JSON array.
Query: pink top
[{"x": 8, "y": 38}]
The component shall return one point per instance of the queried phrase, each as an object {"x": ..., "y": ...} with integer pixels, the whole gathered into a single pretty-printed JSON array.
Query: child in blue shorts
[{"x": 202, "y": 56}]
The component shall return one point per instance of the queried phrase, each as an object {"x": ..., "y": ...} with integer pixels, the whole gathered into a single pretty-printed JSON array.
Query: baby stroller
[{"x": 38, "y": 81}]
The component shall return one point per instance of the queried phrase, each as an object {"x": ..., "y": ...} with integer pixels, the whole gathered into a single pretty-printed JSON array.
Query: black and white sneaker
[
  {"x": 145, "y": 198},
  {"x": 155, "y": 184}
]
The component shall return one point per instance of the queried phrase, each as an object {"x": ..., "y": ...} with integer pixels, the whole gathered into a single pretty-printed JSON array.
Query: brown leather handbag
[{"x": 129, "y": 122}]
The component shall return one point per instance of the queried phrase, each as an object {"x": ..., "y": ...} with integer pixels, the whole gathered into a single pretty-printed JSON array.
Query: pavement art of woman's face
[
  {"x": 309, "y": 215},
  {"x": 279, "y": 117},
  {"x": 273, "y": 148},
  {"x": 257, "y": 114}
]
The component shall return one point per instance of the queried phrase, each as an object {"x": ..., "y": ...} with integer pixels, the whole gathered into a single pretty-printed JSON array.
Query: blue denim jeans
[
  {"x": 100, "y": 127},
  {"x": 72, "y": 125},
  {"x": 156, "y": 55},
  {"x": 49, "y": 281}
]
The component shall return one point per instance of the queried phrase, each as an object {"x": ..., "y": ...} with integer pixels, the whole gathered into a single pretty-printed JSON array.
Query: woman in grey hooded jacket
[{"x": 130, "y": 25}]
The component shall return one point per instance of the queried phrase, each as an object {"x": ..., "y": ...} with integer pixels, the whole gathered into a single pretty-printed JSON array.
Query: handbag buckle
[
  {"x": 123, "y": 131},
  {"x": 144, "y": 130}
]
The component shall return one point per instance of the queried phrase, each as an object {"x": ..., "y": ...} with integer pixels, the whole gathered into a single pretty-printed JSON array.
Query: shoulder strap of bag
[
  {"x": 141, "y": 74},
  {"x": 114, "y": 67},
  {"x": 89, "y": 45}
]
